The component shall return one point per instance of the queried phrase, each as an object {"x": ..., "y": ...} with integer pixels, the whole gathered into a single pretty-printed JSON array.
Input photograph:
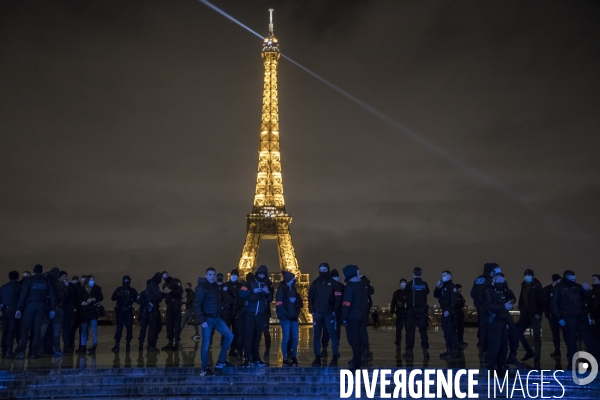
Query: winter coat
[
  {"x": 285, "y": 308},
  {"x": 207, "y": 303}
]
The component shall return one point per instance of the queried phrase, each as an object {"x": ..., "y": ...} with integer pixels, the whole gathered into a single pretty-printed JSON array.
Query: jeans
[
  {"x": 289, "y": 328},
  {"x": 221, "y": 327},
  {"x": 84, "y": 332}
]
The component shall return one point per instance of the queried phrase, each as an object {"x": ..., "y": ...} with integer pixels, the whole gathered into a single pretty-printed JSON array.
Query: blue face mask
[
  {"x": 233, "y": 278},
  {"x": 446, "y": 278},
  {"x": 91, "y": 283},
  {"x": 528, "y": 278},
  {"x": 572, "y": 278}
]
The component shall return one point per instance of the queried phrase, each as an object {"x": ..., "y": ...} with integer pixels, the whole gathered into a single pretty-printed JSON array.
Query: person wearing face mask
[
  {"x": 188, "y": 301},
  {"x": 257, "y": 297},
  {"x": 496, "y": 304},
  {"x": 594, "y": 308},
  {"x": 173, "y": 297},
  {"x": 231, "y": 310},
  {"x": 9, "y": 298},
  {"x": 398, "y": 311},
  {"x": 322, "y": 301},
  {"x": 415, "y": 295},
  {"x": 88, "y": 297},
  {"x": 446, "y": 293},
  {"x": 354, "y": 312},
  {"x": 288, "y": 305},
  {"x": 569, "y": 310},
  {"x": 338, "y": 291},
  {"x": 483, "y": 280},
  {"x": 67, "y": 310},
  {"x": 531, "y": 308},
  {"x": 125, "y": 296},
  {"x": 459, "y": 316},
  {"x": 241, "y": 315},
  {"x": 554, "y": 326},
  {"x": 51, "y": 328},
  {"x": 153, "y": 298},
  {"x": 75, "y": 321}
]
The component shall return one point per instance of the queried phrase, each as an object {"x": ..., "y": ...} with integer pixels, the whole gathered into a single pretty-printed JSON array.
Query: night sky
[{"x": 129, "y": 137}]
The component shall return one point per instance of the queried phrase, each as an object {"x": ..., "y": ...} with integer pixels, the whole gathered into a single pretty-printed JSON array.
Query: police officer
[
  {"x": 322, "y": 301},
  {"x": 416, "y": 314},
  {"x": 531, "y": 308},
  {"x": 125, "y": 296},
  {"x": 9, "y": 298},
  {"x": 398, "y": 311},
  {"x": 257, "y": 297},
  {"x": 366, "y": 352},
  {"x": 354, "y": 312},
  {"x": 75, "y": 324},
  {"x": 230, "y": 310},
  {"x": 36, "y": 291},
  {"x": 188, "y": 315},
  {"x": 154, "y": 296},
  {"x": 143, "y": 316},
  {"x": 477, "y": 295},
  {"x": 496, "y": 304},
  {"x": 339, "y": 291},
  {"x": 594, "y": 308},
  {"x": 554, "y": 326},
  {"x": 173, "y": 297},
  {"x": 569, "y": 310},
  {"x": 447, "y": 295},
  {"x": 61, "y": 300},
  {"x": 67, "y": 311},
  {"x": 459, "y": 316}
]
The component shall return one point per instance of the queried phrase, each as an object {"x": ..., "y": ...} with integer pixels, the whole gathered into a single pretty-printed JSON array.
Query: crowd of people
[
  {"x": 41, "y": 308},
  {"x": 566, "y": 304}
]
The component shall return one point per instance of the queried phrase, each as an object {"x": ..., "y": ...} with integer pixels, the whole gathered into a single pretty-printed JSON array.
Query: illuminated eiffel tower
[{"x": 269, "y": 219}]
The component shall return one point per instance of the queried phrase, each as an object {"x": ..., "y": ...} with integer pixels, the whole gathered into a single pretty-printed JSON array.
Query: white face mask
[
  {"x": 233, "y": 278},
  {"x": 402, "y": 285}
]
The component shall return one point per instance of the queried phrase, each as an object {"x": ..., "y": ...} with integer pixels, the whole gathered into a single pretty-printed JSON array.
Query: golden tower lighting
[{"x": 269, "y": 219}]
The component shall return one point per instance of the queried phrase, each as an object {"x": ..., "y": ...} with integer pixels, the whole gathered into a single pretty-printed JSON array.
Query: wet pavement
[{"x": 382, "y": 346}]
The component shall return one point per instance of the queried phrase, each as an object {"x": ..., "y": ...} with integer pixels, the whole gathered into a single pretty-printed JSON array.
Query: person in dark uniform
[
  {"x": 339, "y": 292},
  {"x": 257, "y": 298},
  {"x": 569, "y": 310},
  {"x": 322, "y": 301},
  {"x": 267, "y": 329},
  {"x": 531, "y": 307},
  {"x": 554, "y": 326},
  {"x": 364, "y": 339},
  {"x": 75, "y": 324},
  {"x": 354, "y": 312},
  {"x": 188, "y": 315},
  {"x": 288, "y": 304},
  {"x": 230, "y": 310},
  {"x": 594, "y": 308},
  {"x": 67, "y": 311},
  {"x": 143, "y": 316},
  {"x": 125, "y": 296},
  {"x": 416, "y": 314},
  {"x": 398, "y": 311},
  {"x": 154, "y": 296},
  {"x": 477, "y": 295},
  {"x": 496, "y": 304},
  {"x": 36, "y": 291},
  {"x": 61, "y": 300},
  {"x": 173, "y": 297},
  {"x": 459, "y": 316},
  {"x": 88, "y": 298},
  {"x": 9, "y": 299},
  {"x": 447, "y": 295},
  {"x": 375, "y": 316},
  {"x": 241, "y": 316}
]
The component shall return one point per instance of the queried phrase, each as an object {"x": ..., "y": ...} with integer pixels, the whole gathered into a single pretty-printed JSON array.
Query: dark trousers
[
  {"x": 482, "y": 320},
  {"x": 574, "y": 327},
  {"x": 75, "y": 327},
  {"x": 231, "y": 322},
  {"x": 254, "y": 326},
  {"x": 416, "y": 318},
  {"x": 450, "y": 335},
  {"x": 33, "y": 315},
  {"x": 555, "y": 329},
  {"x": 322, "y": 322},
  {"x": 67, "y": 330},
  {"x": 124, "y": 318},
  {"x": 267, "y": 334},
  {"x": 497, "y": 344},
  {"x": 144, "y": 316},
  {"x": 173, "y": 320},
  {"x": 9, "y": 329},
  {"x": 364, "y": 336},
  {"x": 459, "y": 323},
  {"x": 353, "y": 333},
  {"x": 400, "y": 321},
  {"x": 239, "y": 337},
  {"x": 526, "y": 321},
  {"x": 56, "y": 323}
]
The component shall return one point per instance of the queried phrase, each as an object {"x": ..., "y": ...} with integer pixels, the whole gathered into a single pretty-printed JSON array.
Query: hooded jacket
[
  {"x": 61, "y": 292},
  {"x": 535, "y": 302},
  {"x": 322, "y": 296},
  {"x": 207, "y": 303},
  {"x": 257, "y": 303},
  {"x": 125, "y": 296},
  {"x": 355, "y": 304},
  {"x": 153, "y": 293},
  {"x": 285, "y": 308},
  {"x": 480, "y": 283},
  {"x": 568, "y": 299}
]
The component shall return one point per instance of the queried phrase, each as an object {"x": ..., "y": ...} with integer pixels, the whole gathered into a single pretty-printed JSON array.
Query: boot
[
  {"x": 176, "y": 344},
  {"x": 324, "y": 352},
  {"x": 334, "y": 362},
  {"x": 317, "y": 362},
  {"x": 81, "y": 350},
  {"x": 69, "y": 349},
  {"x": 9, "y": 355},
  {"x": 453, "y": 355},
  {"x": 115, "y": 348},
  {"x": 445, "y": 354},
  {"x": 128, "y": 346},
  {"x": 168, "y": 346},
  {"x": 425, "y": 354},
  {"x": 408, "y": 354},
  {"x": 92, "y": 350},
  {"x": 153, "y": 349}
]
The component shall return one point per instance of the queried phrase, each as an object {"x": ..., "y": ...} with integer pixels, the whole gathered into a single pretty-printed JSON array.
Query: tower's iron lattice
[{"x": 269, "y": 219}]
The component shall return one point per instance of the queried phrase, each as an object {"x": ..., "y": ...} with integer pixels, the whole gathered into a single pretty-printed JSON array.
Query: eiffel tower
[{"x": 268, "y": 219}]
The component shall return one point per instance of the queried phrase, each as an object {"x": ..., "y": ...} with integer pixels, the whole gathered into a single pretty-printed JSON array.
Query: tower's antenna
[{"x": 271, "y": 22}]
